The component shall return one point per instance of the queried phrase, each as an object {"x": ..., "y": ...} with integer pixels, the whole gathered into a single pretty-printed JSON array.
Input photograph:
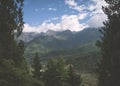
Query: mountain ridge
[
  {"x": 66, "y": 39},
  {"x": 75, "y": 47}
]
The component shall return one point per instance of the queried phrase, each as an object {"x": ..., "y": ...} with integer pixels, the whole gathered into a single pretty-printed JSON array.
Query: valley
[{"x": 78, "y": 48}]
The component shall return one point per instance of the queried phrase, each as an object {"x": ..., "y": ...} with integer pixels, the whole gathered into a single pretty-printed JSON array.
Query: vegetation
[
  {"x": 109, "y": 68},
  {"x": 84, "y": 58},
  {"x": 13, "y": 68},
  {"x": 45, "y": 43},
  {"x": 73, "y": 79},
  {"x": 37, "y": 66},
  {"x": 59, "y": 73}
]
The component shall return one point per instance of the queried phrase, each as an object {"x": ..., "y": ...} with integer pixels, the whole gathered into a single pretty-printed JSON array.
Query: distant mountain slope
[
  {"x": 84, "y": 58},
  {"x": 28, "y": 36},
  {"x": 76, "y": 47},
  {"x": 62, "y": 40}
]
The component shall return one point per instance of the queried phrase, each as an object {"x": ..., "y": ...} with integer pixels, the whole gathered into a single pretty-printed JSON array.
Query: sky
[{"x": 58, "y": 15}]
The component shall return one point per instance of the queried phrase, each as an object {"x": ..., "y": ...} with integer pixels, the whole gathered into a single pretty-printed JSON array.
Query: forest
[{"x": 90, "y": 57}]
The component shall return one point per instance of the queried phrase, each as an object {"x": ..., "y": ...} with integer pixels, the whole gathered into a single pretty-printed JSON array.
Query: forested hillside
[
  {"x": 67, "y": 44},
  {"x": 61, "y": 40}
]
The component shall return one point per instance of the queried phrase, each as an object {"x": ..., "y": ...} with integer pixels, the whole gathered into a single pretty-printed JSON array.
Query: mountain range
[{"x": 76, "y": 47}]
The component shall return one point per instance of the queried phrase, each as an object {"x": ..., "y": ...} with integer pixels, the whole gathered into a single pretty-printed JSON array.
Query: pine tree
[
  {"x": 37, "y": 67},
  {"x": 109, "y": 68},
  {"x": 73, "y": 79},
  {"x": 11, "y": 21},
  {"x": 56, "y": 74},
  {"x": 13, "y": 70}
]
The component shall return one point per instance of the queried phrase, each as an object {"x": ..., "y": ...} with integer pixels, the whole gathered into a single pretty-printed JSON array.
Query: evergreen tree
[
  {"x": 73, "y": 79},
  {"x": 109, "y": 69},
  {"x": 11, "y": 21},
  {"x": 37, "y": 67},
  {"x": 56, "y": 74},
  {"x": 10, "y": 75},
  {"x": 13, "y": 70}
]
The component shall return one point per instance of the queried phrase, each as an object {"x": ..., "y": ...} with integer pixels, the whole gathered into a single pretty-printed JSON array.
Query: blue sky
[{"x": 75, "y": 15}]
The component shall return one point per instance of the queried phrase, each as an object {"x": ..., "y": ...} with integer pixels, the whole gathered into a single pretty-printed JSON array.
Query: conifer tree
[
  {"x": 56, "y": 74},
  {"x": 109, "y": 68},
  {"x": 73, "y": 79},
  {"x": 37, "y": 67},
  {"x": 11, "y": 22},
  {"x": 12, "y": 70}
]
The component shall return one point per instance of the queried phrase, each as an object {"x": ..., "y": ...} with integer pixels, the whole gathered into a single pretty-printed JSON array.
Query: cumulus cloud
[
  {"x": 94, "y": 10},
  {"x": 97, "y": 20},
  {"x": 73, "y": 22},
  {"x": 97, "y": 14},
  {"x": 91, "y": 7},
  {"x": 44, "y": 27},
  {"x": 82, "y": 15},
  {"x": 68, "y": 22},
  {"x": 28, "y": 28},
  {"x": 97, "y": 7}
]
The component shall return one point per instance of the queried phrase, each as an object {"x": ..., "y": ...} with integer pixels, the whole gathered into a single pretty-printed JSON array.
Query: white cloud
[
  {"x": 97, "y": 14},
  {"x": 95, "y": 11},
  {"x": 79, "y": 8},
  {"x": 91, "y": 7},
  {"x": 72, "y": 23},
  {"x": 71, "y": 2},
  {"x": 98, "y": 6},
  {"x": 74, "y": 5},
  {"x": 41, "y": 28},
  {"x": 48, "y": 26},
  {"x": 28, "y": 28},
  {"x": 97, "y": 20},
  {"x": 68, "y": 22},
  {"x": 82, "y": 15},
  {"x": 52, "y": 9}
]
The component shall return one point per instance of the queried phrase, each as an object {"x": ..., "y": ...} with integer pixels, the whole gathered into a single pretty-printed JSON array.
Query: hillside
[
  {"x": 62, "y": 40},
  {"x": 76, "y": 47},
  {"x": 84, "y": 58},
  {"x": 28, "y": 36}
]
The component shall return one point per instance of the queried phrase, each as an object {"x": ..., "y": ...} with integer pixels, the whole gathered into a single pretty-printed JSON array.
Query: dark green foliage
[
  {"x": 55, "y": 75},
  {"x": 84, "y": 58},
  {"x": 37, "y": 67},
  {"x": 13, "y": 68},
  {"x": 73, "y": 79},
  {"x": 12, "y": 76},
  {"x": 58, "y": 73},
  {"x": 109, "y": 69},
  {"x": 10, "y": 20}
]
